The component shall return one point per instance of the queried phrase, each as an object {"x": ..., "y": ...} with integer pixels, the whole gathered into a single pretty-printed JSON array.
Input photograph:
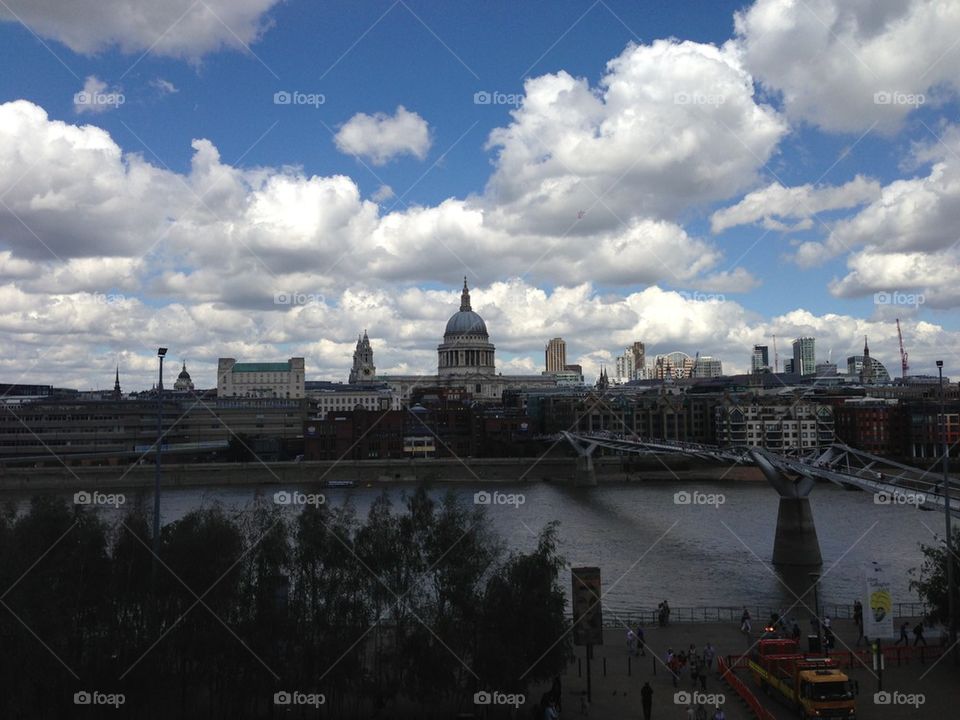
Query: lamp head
[
  {"x": 939, "y": 363},
  {"x": 161, "y": 352}
]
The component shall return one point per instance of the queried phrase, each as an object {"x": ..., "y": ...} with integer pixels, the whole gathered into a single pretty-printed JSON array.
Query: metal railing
[{"x": 730, "y": 613}]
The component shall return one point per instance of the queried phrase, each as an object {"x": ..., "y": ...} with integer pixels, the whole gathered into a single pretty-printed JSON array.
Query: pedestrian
[
  {"x": 795, "y": 631},
  {"x": 918, "y": 634},
  {"x": 557, "y": 693},
  {"x": 858, "y": 619},
  {"x": 666, "y": 612},
  {"x": 691, "y": 713},
  {"x": 646, "y": 700},
  {"x": 641, "y": 641},
  {"x": 828, "y": 637},
  {"x": 551, "y": 713},
  {"x": 708, "y": 655},
  {"x": 719, "y": 714},
  {"x": 701, "y": 713},
  {"x": 584, "y": 703},
  {"x": 631, "y": 643},
  {"x": 694, "y": 671},
  {"x": 675, "y": 669},
  {"x": 703, "y": 679},
  {"x": 904, "y": 637}
]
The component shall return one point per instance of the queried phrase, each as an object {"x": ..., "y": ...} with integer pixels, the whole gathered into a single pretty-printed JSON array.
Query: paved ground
[{"x": 616, "y": 695}]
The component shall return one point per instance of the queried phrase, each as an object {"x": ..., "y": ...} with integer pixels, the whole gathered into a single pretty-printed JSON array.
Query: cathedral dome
[{"x": 466, "y": 321}]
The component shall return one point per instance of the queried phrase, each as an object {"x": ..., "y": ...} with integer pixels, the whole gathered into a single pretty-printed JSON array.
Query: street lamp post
[
  {"x": 161, "y": 352},
  {"x": 951, "y": 589}
]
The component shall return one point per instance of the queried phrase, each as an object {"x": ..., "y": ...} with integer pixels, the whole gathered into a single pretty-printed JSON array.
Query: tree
[
  {"x": 526, "y": 638},
  {"x": 931, "y": 578}
]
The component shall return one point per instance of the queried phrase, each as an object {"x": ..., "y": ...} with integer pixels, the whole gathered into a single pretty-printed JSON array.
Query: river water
[{"x": 649, "y": 548}]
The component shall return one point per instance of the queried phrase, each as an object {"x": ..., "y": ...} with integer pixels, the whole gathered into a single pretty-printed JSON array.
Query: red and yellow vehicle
[{"x": 813, "y": 684}]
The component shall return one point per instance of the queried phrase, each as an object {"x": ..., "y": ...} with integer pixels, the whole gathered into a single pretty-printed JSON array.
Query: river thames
[{"x": 649, "y": 547}]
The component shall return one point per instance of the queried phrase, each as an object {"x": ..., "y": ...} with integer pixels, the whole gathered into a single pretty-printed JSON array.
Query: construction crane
[
  {"x": 776, "y": 356},
  {"x": 904, "y": 365}
]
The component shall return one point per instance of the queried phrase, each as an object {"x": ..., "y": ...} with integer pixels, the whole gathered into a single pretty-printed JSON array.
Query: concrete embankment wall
[{"x": 556, "y": 469}]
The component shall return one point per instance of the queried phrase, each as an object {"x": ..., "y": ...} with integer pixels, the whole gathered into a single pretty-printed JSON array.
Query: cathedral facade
[{"x": 466, "y": 359}]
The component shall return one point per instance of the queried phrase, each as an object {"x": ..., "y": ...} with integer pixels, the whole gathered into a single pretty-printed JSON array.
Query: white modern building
[
  {"x": 328, "y": 397},
  {"x": 260, "y": 379},
  {"x": 775, "y": 427}
]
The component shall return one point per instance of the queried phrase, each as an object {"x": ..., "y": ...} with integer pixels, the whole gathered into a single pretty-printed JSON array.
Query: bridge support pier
[
  {"x": 796, "y": 542},
  {"x": 584, "y": 474}
]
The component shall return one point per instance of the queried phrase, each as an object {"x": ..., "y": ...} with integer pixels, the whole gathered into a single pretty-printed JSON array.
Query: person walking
[
  {"x": 641, "y": 640},
  {"x": 904, "y": 637},
  {"x": 631, "y": 643},
  {"x": 708, "y": 655},
  {"x": 918, "y": 634},
  {"x": 858, "y": 619},
  {"x": 552, "y": 712},
  {"x": 646, "y": 700}
]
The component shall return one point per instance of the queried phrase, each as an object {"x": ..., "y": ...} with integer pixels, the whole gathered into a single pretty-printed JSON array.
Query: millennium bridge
[{"x": 793, "y": 476}]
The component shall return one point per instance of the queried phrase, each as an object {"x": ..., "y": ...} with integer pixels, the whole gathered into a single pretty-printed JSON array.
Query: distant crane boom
[
  {"x": 776, "y": 356},
  {"x": 904, "y": 365}
]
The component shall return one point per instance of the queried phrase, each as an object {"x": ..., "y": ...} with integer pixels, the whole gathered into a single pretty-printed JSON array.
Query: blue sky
[{"x": 109, "y": 266}]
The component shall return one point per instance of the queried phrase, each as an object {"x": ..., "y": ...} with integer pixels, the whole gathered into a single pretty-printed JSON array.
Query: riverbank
[{"x": 363, "y": 472}]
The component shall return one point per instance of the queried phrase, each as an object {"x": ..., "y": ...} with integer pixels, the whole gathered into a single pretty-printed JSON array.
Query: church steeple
[
  {"x": 116, "y": 384},
  {"x": 465, "y": 297}
]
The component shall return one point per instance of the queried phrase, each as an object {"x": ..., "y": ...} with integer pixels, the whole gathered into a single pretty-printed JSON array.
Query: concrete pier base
[
  {"x": 796, "y": 540},
  {"x": 585, "y": 475}
]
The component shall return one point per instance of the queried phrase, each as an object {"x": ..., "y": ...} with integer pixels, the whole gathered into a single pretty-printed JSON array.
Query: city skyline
[{"x": 152, "y": 216}]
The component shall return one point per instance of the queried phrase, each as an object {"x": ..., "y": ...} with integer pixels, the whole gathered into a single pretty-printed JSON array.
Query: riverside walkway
[{"x": 616, "y": 682}]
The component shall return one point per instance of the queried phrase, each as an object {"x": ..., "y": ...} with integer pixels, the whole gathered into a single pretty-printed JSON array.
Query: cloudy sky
[{"x": 259, "y": 180}]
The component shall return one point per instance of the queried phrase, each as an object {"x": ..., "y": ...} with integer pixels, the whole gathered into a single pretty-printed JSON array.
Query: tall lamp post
[
  {"x": 161, "y": 352},
  {"x": 951, "y": 589}
]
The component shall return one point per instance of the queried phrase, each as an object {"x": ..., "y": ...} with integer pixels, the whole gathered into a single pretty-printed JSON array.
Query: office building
[
  {"x": 804, "y": 356},
  {"x": 760, "y": 360},
  {"x": 260, "y": 379},
  {"x": 556, "y": 355}
]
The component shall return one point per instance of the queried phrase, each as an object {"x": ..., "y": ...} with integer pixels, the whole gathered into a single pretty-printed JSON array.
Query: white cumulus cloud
[{"x": 381, "y": 137}]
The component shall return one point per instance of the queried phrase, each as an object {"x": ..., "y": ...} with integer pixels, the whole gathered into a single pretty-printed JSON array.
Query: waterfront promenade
[{"x": 616, "y": 694}]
